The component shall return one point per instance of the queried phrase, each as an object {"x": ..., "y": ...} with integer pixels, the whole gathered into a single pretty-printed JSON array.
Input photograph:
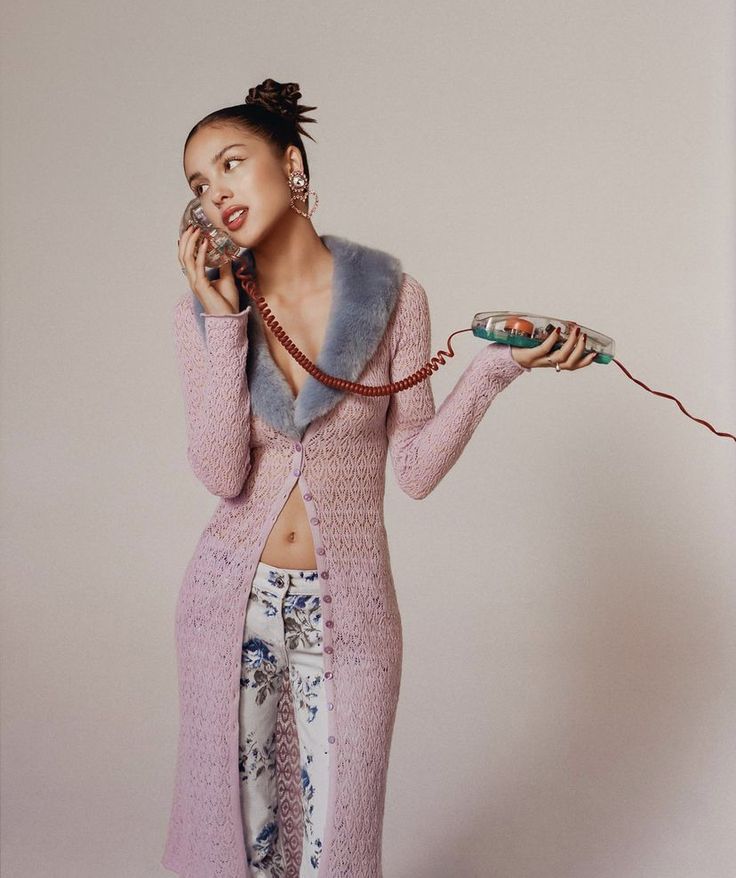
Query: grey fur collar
[{"x": 365, "y": 288}]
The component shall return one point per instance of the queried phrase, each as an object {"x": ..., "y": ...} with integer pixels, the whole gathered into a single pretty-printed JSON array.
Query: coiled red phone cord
[
  {"x": 421, "y": 374},
  {"x": 331, "y": 380}
]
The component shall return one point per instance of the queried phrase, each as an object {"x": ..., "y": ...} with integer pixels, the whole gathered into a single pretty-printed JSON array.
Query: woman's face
[{"x": 228, "y": 167}]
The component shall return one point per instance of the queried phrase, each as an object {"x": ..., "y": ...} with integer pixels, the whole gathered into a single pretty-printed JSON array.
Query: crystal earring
[{"x": 298, "y": 185}]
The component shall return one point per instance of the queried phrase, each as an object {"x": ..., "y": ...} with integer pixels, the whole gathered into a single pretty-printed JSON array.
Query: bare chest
[{"x": 306, "y": 325}]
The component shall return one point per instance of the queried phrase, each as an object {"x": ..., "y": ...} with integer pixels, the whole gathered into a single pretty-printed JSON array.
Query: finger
[
  {"x": 188, "y": 255},
  {"x": 201, "y": 253},
  {"x": 192, "y": 249},
  {"x": 578, "y": 350},
  {"x": 551, "y": 340},
  {"x": 570, "y": 341},
  {"x": 546, "y": 347},
  {"x": 187, "y": 242},
  {"x": 585, "y": 353},
  {"x": 545, "y": 359},
  {"x": 183, "y": 251},
  {"x": 200, "y": 283},
  {"x": 183, "y": 238},
  {"x": 571, "y": 350},
  {"x": 586, "y": 360}
]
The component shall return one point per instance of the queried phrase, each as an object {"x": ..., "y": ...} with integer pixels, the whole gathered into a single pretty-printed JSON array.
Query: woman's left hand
[{"x": 569, "y": 357}]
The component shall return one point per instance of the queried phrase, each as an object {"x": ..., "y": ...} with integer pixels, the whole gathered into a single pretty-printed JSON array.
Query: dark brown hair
[{"x": 270, "y": 111}]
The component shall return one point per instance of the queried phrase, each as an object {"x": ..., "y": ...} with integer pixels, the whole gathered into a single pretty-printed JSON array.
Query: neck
[{"x": 292, "y": 264}]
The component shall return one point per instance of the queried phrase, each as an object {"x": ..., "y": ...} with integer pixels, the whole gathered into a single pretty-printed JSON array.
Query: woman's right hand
[{"x": 216, "y": 296}]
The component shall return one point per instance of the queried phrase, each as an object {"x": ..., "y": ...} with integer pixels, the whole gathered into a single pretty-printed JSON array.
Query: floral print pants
[{"x": 282, "y": 635}]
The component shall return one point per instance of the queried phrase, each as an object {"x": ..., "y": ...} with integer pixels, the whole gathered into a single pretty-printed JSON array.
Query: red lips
[{"x": 229, "y": 211}]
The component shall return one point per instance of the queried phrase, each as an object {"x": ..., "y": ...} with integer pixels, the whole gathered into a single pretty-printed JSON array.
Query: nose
[{"x": 220, "y": 193}]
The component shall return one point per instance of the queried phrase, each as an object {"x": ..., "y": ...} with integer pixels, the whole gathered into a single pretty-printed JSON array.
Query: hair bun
[{"x": 281, "y": 98}]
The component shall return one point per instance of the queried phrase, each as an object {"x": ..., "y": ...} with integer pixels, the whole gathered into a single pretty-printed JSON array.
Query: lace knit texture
[{"x": 339, "y": 466}]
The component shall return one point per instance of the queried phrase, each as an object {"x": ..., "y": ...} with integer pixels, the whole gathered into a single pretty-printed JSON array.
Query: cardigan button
[
  {"x": 328, "y": 598},
  {"x": 330, "y": 706},
  {"x": 325, "y": 574},
  {"x": 320, "y": 550},
  {"x": 296, "y": 472},
  {"x": 329, "y": 650},
  {"x": 298, "y": 446},
  {"x": 314, "y": 520},
  {"x": 329, "y": 623},
  {"x": 331, "y": 739},
  {"x": 307, "y": 496},
  {"x": 329, "y": 675}
]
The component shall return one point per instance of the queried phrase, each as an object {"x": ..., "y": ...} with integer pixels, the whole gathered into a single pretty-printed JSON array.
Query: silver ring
[
  {"x": 557, "y": 365},
  {"x": 183, "y": 270}
]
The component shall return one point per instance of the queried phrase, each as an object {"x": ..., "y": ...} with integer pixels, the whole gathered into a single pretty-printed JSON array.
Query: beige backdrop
[{"x": 568, "y": 707}]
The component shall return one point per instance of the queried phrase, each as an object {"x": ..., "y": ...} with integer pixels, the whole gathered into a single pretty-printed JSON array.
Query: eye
[{"x": 198, "y": 189}]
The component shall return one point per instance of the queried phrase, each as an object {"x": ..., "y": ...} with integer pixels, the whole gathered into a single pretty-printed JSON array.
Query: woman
[{"x": 288, "y": 633}]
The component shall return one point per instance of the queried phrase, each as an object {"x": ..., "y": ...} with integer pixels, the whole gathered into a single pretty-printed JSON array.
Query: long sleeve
[
  {"x": 216, "y": 395},
  {"x": 424, "y": 443}
]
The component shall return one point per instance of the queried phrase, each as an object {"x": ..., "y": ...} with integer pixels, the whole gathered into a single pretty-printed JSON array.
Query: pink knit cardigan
[{"x": 339, "y": 464}]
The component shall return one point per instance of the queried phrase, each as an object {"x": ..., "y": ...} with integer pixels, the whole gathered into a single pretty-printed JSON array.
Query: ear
[{"x": 292, "y": 160}]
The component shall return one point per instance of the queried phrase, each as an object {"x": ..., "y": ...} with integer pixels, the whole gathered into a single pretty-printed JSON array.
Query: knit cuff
[
  {"x": 224, "y": 333},
  {"x": 239, "y": 314},
  {"x": 507, "y": 356}
]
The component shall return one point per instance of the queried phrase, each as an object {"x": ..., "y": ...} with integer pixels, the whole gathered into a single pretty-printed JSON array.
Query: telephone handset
[
  {"x": 516, "y": 328},
  {"x": 221, "y": 248}
]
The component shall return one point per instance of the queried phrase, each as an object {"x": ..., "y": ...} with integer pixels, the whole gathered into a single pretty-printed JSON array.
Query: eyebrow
[{"x": 214, "y": 159}]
